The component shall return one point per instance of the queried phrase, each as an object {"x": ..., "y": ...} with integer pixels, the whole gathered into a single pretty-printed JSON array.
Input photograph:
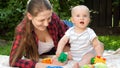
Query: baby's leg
[
  {"x": 86, "y": 58},
  {"x": 76, "y": 65}
]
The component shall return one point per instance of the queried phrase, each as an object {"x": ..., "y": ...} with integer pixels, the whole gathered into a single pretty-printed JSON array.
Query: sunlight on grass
[{"x": 110, "y": 42}]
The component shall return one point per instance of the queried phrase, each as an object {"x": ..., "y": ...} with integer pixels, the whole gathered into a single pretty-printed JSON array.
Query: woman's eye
[
  {"x": 41, "y": 20},
  {"x": 49, "y": 18}
]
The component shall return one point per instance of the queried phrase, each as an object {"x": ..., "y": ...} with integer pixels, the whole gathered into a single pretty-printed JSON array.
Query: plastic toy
[
  {"x": 68, "y": 23},
  {"x": 54, "y": 67},
  {"x": 100, "y": 65},
  {"x": 98, "y": 59},
  {"x": 63, "y": 57},
  {"x": 47, "y": 60},
  {"x": 96, "y": 62},
  {"x": 86, "y": 66}
]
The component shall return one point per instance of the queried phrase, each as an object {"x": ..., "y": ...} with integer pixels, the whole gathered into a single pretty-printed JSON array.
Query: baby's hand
[
  {"x": 56, "y": 62},
  {"x": 58, "y": 53}
]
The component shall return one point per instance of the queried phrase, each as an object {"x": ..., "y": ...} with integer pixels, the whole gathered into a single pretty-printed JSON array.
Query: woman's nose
[{"x": 46, "y": 23}]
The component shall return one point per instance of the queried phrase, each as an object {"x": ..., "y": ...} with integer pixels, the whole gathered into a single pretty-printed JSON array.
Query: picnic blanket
[{"x": 113, "y": 60}]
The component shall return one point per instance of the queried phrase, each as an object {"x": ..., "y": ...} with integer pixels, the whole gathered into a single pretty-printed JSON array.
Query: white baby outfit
[{"x": 80, "y": 43}]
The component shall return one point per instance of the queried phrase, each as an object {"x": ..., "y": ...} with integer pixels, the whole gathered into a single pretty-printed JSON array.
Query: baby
[{"x": 84, "y": 43}]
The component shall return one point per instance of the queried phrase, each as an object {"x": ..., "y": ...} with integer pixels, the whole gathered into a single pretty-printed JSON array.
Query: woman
[{"x": 37, "y": 34}]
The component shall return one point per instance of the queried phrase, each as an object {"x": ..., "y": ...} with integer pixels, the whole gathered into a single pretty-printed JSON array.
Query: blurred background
[{"x": 105, "y": 19}]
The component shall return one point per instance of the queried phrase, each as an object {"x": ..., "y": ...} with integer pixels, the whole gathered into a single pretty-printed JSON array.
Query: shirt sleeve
[
  {"x": 62, "y": 27},
  {"x": 22, "y": 63},
  {"x": 92, "y": 34},
  {"x": 59, "y": 29},
  {"x": 67, "y": 33}
]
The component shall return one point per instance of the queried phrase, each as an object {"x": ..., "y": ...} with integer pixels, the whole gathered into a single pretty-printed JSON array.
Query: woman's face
[{"x": 42, "y": 20}]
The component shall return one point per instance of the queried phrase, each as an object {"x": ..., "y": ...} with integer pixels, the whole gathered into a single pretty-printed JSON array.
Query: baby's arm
[
  {"x": 98, "y": 46},
  {"x": 61, "y": 45}
]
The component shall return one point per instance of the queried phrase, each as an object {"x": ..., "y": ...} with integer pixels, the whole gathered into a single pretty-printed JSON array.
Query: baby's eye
[
  {"x": 78, "y": 16},
  {"x": 85, "y": 16}
]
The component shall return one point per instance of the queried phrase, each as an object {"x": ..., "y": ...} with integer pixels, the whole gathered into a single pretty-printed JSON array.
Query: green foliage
[
  {"x": 11, "y": 14},
  {"x": 63, "y": 7},
  {"x": 116, "y": 3},
  {"x": 110, "y": 42}
]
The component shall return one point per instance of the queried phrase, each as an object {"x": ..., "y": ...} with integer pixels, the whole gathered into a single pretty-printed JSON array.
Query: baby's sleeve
[
  {"x": 67, "y": 33},
  {"x": 92, "y": 34}
]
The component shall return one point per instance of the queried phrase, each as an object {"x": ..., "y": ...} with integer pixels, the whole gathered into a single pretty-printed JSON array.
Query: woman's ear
[{"x": 29, "y": 16}]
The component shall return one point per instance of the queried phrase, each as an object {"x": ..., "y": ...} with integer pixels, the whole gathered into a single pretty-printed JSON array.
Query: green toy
[
  {"x": 85, "y": 66},
  {"x": 92, "y": 60},
  {"x": 63, "y": 57},
  {"x": 100, "y": 65}
]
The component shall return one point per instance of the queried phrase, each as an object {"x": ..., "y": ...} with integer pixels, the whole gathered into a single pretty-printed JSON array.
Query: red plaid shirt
[{"x": 56, "y": 29}]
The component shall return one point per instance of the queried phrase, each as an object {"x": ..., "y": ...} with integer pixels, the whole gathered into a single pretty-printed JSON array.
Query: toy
[
  {"x": 100, "y": 65},
  {"x": 63, "y": 57},
  {"x": 97, "y": 62},
  {"x": 54, "y": 67},
  {"x": 87, "y": 66},
  {"x": 47, "y": 60},
  {"x": 98, "y": 59},
  {"x": 97, "y": 65}
]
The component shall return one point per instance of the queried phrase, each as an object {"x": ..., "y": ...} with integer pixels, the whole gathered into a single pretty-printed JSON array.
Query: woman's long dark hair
[{"x": 28, "y": 44}]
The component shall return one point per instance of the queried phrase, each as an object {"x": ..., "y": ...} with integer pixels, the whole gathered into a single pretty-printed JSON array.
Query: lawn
[
  {"x": 110, "y": 43},
  {"x": 5, "y": 50}
]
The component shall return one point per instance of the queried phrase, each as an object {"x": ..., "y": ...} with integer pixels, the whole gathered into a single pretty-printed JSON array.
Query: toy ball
[
  {"x": 87, "y": 66},
  {"x": 63, "y": 57},
  {"x": 100, "y": 65}
]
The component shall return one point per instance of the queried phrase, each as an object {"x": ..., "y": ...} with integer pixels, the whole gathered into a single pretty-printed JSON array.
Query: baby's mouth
[{"x": 81, "y": 22}]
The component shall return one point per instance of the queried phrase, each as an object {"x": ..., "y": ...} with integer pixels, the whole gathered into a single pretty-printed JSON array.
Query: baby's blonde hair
[{"x": 79, "y": 6}]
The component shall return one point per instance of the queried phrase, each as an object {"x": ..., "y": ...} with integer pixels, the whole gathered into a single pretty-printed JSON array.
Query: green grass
[
  {"x": 110, "y": 43},
  {"x": 5, "y": 49}
]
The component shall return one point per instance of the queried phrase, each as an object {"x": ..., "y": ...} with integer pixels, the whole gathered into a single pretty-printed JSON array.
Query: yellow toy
[
  {"x": 98, "y": 59},
  {"x": 96, "y": 62}
]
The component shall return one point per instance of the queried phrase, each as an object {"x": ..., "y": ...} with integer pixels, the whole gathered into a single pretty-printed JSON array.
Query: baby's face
[{"x": 80, "y": 17}]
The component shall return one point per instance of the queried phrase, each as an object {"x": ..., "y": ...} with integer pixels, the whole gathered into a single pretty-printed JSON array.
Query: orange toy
[{"x": 47, "y": 60}]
